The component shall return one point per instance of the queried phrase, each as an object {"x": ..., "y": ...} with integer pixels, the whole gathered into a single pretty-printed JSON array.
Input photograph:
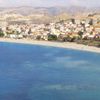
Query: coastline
[{"x": 66, "y": 45}]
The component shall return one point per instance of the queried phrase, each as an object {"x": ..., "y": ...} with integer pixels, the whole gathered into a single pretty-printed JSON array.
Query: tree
[
  {"x": 1, "y": 33},
  {"x": 73, "y": 20},
  {"x": 52, "y": 37},
  {"x": 91, "y": 22}
]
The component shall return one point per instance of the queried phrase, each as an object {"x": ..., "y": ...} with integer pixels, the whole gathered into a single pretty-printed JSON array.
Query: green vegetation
[
  {"x": 79, "y": 40},
  {"x": 52, "y": 37},
  {"x": 89, "y": 42},
  {"x": 1, "y": 34},
  {"x": 38, "y": 37}
]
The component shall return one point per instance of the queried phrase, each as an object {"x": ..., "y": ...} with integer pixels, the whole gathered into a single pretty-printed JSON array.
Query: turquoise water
[{"x": 30, "y": 72}]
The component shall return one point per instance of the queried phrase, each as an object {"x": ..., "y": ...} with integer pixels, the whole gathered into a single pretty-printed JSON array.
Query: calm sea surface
[{"x": 31, "y": 72}]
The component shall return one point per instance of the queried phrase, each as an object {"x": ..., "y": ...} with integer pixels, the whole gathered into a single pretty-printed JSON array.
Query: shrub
[
  {"x": 69, "y": 39},
  {"x": 95, "y": 43},
  {"x": 65, "y": 39},
  {"x": 1, "y": 34},
  {"x": 52, "y": 37},
  {"x": 80, "y": 34},
  {"x": 38, "y": 37}
]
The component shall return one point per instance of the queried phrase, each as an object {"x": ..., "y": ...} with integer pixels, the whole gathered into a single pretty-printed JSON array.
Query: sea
[{"x": 34, "y": 72}]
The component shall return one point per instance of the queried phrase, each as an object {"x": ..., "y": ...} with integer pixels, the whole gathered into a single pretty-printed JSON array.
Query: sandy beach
[{"x": 53, "y": 44}]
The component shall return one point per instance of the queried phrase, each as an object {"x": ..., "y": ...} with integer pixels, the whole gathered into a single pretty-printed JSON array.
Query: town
[{"x": 85, "y": 31}]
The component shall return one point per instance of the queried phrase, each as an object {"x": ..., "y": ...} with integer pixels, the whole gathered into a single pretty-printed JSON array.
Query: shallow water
[{"x": 31, "y": 72}]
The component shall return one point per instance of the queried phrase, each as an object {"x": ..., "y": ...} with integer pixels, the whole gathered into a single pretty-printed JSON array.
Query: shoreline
[{"x": 66, "y": 45}]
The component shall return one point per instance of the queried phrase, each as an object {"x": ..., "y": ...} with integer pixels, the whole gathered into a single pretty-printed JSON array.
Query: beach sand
[{"x": 67, "y": 45}]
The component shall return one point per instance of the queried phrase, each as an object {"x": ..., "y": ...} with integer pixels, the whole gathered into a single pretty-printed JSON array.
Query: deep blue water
[{"x": 31, "y": 72}]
